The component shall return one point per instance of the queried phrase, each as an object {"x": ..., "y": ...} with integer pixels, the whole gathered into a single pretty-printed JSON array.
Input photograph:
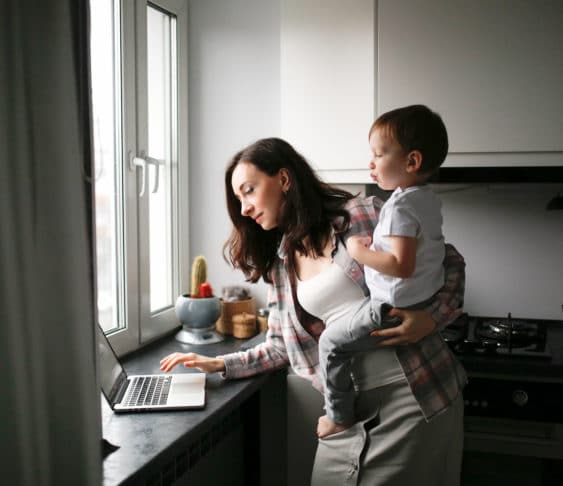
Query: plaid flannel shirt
[{"x": 434, "y": 374}]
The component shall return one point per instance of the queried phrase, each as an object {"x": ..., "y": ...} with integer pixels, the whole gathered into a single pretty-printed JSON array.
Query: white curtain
[{"x": 50, "y": 425}]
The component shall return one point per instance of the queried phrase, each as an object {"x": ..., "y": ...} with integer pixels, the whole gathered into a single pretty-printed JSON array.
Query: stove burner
[
  {"x": 513, "y": 332},
  {"x": 497, "y": 336}
]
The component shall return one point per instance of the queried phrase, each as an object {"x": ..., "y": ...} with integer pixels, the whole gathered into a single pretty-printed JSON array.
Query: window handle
[
  {"x": 157, "y": 163},
  {"x": 142, "y": 162},
  {"x": 135, "y": 162}
]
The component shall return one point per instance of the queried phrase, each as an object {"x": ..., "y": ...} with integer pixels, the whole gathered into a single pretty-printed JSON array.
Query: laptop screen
[{"x": 112, "y": 373}]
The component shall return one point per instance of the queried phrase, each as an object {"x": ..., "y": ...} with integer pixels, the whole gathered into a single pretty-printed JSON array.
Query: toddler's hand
[
  {"x": 357, "y": 244},
  {"x": 326, "y": 427}
]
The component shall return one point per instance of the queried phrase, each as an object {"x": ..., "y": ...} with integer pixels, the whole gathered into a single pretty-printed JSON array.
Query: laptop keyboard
[{"x": 148, "y": 390}]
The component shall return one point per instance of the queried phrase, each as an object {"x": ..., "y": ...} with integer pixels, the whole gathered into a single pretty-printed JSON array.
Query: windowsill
[{"x": 155, "y": 444}]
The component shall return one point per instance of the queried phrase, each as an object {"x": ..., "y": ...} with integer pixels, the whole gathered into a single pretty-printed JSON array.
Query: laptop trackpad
[{"x": 187, "y": 389}]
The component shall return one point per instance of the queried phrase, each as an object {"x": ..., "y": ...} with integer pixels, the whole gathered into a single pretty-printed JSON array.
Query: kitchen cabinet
[
  {"x": 492, "y": 69},
  {"x": 327, "y": 83}
]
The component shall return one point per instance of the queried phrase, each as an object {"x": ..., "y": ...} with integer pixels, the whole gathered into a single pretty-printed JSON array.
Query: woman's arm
[
  {"x": 266, "y": 356},
  {"x": 448, "y": 302},
  {"x": 364, "y": 215},
  {"x": 271, "y": 354},
  {"x": 445, "y": 308}
]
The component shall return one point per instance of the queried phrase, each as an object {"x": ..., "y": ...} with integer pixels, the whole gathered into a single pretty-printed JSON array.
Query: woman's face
[{"x": 260, "y": 195}]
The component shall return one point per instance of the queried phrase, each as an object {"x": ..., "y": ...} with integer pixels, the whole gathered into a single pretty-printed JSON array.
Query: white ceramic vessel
[{"x": 198, "y": 317}]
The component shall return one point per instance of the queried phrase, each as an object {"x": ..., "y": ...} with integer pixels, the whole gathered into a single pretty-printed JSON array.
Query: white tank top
[{"x": 330, "y": 295}]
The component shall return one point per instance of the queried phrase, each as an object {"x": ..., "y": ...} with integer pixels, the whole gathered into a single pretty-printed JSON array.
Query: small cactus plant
[{"x": 199, "y": 274}]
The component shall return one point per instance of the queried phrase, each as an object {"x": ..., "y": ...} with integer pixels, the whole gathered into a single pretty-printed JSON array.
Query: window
[{"x": 139, "y": 105}]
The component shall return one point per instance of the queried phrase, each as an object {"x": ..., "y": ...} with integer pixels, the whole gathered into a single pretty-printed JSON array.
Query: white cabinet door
[
  {"x": 493, "y": 69},
  {"x": 327, "y": 83}
]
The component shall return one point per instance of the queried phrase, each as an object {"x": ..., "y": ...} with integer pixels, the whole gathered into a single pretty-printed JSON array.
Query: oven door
[
  {"x": 514, "y": 437},
  {"x": 521, "y": 400},
  {"x": 513, "y": 432},
  {"x": 514, "y": 416},
  {"x": 501, "y": 452}
]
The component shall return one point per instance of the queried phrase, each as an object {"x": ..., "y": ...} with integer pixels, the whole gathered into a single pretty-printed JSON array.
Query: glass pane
[
  {"x": 106, "y": 100},
  {"x": 161, "y": 64}
]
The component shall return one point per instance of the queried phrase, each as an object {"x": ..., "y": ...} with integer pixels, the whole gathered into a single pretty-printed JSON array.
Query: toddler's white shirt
[{"x": 414, "y": 212}]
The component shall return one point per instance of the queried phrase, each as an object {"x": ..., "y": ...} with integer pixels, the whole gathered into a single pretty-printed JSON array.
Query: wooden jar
[
  {"x": 229, "y": 309},
  {"x": 244, "y": 325}
]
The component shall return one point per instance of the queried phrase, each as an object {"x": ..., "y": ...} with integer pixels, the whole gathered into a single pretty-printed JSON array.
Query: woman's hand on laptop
[{"x": 192, "y": 360}]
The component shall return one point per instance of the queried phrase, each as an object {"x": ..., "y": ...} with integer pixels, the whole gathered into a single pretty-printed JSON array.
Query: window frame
[{"x": 140, "y": 327}]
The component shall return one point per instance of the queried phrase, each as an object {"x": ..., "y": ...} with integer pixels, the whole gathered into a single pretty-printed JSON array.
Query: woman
[{"x": 289, "y": 227}]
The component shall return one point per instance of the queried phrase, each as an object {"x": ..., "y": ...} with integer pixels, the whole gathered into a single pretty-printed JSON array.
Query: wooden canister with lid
[
  {"x": 244, "y": 325},
  {"x": 230, "y": 309}
]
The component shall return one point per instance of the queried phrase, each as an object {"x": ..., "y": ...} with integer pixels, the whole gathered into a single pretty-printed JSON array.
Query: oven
[{"x": 513, "y": 398}]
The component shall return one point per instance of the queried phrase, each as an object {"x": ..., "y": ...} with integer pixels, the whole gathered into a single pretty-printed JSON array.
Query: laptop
[{"x": 146, "y": 393}]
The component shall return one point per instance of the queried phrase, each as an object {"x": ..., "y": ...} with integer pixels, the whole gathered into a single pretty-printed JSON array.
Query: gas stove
[
  {"x": 506, "y": 337},
  {"x": 514, "y": 365},
  {"x": 514, "y": 395}
]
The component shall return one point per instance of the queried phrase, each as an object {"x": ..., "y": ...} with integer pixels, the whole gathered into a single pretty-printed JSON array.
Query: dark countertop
[{"x": 148, "y": 439}]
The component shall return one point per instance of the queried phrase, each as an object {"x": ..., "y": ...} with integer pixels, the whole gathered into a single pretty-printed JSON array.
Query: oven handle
[{"x": 513, "y": 438}]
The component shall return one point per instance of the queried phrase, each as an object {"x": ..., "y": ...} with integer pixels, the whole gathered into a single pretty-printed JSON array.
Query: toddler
[{"x": 403, "y": 259}]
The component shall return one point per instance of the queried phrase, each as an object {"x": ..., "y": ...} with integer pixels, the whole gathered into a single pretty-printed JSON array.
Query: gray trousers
[
  {"x": 339, "y": 343},
  {"x": 392, "y": 444}
]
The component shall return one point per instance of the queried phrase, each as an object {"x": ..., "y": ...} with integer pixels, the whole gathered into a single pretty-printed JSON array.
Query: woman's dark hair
[{"x": 311, "y": 207}]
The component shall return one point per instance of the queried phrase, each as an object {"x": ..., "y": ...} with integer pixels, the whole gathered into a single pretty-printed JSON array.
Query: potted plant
[{"x": 198, "y": 310}]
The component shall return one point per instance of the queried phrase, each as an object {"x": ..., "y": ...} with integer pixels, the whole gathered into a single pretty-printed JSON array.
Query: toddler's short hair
[{"x": 416, "y": 127}]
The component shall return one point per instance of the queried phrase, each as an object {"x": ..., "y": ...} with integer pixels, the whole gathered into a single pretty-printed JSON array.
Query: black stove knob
[{"x": 519, "y": 397}]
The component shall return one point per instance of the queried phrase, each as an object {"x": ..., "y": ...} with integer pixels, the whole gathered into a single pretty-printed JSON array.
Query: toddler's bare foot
[{"x": 326, "y": 427}]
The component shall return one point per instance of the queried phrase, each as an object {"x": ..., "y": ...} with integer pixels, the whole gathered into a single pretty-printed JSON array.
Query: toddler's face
[{"x": 388, "y": 164}]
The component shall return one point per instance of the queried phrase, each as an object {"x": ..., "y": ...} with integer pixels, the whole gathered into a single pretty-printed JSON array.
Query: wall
[
  {"x": 234, "y": 96},
  {"x": 513, "y": 247}
]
